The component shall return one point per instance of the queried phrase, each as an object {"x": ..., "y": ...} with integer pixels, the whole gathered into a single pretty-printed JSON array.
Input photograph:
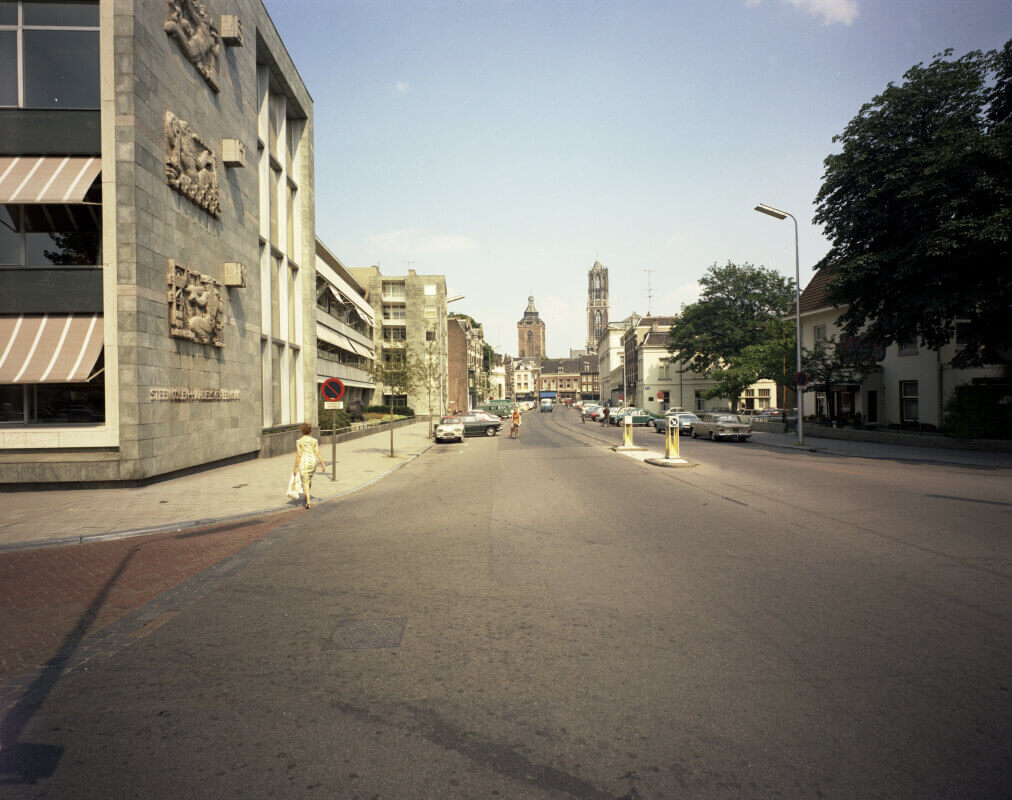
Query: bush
[
  {"x": 979, "y": 412},
  {"x": 341, "y": 417},
  {"x": 401, "y": 411}
]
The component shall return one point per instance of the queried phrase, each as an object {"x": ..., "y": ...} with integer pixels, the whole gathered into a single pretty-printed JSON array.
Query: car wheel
[
  {"x": 692, "y": 433},
  {"x": 741, "y": 438},
  {"x": 490, "y": 431},
  {"x": 713, "y": 436}
]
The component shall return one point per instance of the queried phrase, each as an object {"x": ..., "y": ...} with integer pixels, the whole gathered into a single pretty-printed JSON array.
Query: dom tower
[
  {"x": 531, "y": 333},
  {"x": 597, "y": 304}
]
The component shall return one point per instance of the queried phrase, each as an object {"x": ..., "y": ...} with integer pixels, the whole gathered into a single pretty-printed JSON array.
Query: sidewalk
[
  {"x": 894, "y": 452},
  {"x": 203, "y": 498}
]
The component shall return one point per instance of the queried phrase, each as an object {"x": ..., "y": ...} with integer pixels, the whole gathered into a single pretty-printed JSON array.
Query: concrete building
[
  {"x": 467, "y": 378},
  {"x": 597, "y": 304},
  {"x": 157, "y": 239},
  {"x": 345, "y": 329},
  {"x": 411, "y": 311},
  {"x": 531, "y": 333},
  {"x": 911, "y": 384},
  {"x": 611, "y": 359}
]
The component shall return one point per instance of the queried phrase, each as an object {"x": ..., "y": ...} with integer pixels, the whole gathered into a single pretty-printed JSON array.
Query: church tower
[
  {"x": 597, "y": 304},
  {"x": 531, "y": 333}
]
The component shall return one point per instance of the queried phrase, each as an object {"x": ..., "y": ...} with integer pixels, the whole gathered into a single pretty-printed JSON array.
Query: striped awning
[
  {"x": 47, "y": 179},
  {"x": 51, "y": 348}
]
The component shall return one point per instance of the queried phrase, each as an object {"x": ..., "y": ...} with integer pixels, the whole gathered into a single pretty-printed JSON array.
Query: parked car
[
  {"x": 485, "y": 424},
  {"x": 685, "y": 420},
  {"x": 488, "y": 416},
  {"x": 640, "y": 416},
  {"x": 449, "y": 428},
  {"x": 724, "y": 425},
  {"x": 616, "y": 413}
]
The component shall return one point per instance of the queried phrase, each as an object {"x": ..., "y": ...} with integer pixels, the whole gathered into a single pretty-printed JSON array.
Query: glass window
[
  {"x": 60, "y": 236},
  {"x": 275, "y": 183},
  {"x": 909, "y": 347},
  {"x": 70, "y": 403},
  {"x": 292, "y": 283},
  {"x": 10, "y": 237},
  {"x": 8, "y": 13},
  {"x": 293, "y": 395},
  {"x": 275, "y": 297},
  {"x": 290, "y": 219},
  {"x": 908, "y": 401},
  {"x": 9, "y": 66},
  {"x": 820, "y": 333},
  {"x": 63, "y": 15},
  {"x": 61, "y": 69},
  {"x": 12, "y": 403},
  {"x": 276, "y": 352}
]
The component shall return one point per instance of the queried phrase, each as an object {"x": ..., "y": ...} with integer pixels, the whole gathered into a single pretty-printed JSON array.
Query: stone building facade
[
  {"x": 188, "y": 135},
  {"x": 411, "y": 314},
  {"x": 597, "y": 304},
  {"x": 466, "y": 377},
  {"x": 531, "y": 333}
]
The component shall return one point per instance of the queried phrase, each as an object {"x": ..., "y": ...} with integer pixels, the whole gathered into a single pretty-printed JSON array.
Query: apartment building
[{"x": 157, "y": 239}]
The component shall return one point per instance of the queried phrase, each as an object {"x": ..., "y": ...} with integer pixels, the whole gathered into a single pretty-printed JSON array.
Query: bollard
[
  {"x": 673, "y": 439},
  {"x": 627, "y": 426}
]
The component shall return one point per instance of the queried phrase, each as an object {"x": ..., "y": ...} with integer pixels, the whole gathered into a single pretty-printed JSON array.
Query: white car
[{"x": 450, "y": 428}]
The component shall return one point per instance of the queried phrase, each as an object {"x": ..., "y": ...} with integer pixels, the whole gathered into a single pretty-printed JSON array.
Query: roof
[
  {"x": 816, "y": 294},
  {"x": 655, "y": 339},
  {"x": 530, "y": 306},
  {"x": 565, "y": 365}
]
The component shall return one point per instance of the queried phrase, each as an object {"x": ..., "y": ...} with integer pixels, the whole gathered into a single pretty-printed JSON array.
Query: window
[
  {"x": 908, "y": 401},
  {"x": 58, "y": 65},
  {"x": 430, "y": 313},
  {"x": 961, "y": 334},
  {"x": 275, "y": 111},
  {"x": 50, "y": 235},
  {"x": 293, "y": 283},
  {"x": 430, "y": 290},
  {"x": 274, "y": 188},
  {"x": 430, "y": 336},
  {"x": 290, "y": 223},
  {"x": 275, "y": 297},
  {"x": 393, "y": 290},
  {"x": 393, "y": 311},
  {"x": 819, "y": 333},
  {"x": 54, "y": 403},
  {"x": 764, "y": 394},
  {"x": 908, "y": 347},
  {"x": 664, "y": 372},
  {"x": 276, "y": 353},
  {"x": 292, "y": 132}
]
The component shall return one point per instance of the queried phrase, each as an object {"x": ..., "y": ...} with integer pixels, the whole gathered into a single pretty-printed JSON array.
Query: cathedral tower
[
  {"x": 597, "y": 304},
  {"x": 531, "y": 333}
]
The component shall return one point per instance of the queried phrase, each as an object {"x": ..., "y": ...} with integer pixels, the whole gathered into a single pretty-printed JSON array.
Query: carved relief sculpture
[
  {"x": 190, "y": 165},
  {"x": 196, "y": 310},
  {"x": 190, "y": 24}
]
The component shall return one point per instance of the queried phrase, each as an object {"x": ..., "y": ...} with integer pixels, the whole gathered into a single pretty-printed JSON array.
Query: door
[{"x": 871, "y": 405}]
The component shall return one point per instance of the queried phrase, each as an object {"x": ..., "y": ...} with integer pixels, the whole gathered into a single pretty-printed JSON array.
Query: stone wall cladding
[{"x": 157, "y": 223}]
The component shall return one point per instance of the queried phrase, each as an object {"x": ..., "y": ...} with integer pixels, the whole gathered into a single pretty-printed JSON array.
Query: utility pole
[{"x": 650, "y": 290}]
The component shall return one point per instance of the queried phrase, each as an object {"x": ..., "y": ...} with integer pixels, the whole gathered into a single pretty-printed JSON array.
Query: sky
[{"x": 509, "y": 144}]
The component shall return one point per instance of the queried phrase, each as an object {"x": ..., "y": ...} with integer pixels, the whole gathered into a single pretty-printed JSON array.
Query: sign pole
[
  {"x": 333, "y": 445},
  {"x": 332, "y": 390}
]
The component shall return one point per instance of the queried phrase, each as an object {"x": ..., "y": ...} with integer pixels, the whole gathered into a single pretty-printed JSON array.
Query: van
[{"x": 546, "y": 405}]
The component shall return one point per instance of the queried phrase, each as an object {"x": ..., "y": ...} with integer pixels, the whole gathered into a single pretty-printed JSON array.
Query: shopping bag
[{"x": 294, "y": 486}]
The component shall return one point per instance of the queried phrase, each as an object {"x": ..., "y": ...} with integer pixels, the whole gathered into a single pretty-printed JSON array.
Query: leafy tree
[
  {"x": 831, "y": 363},
  {"x": 398, "y": 369},
  {"x": 773, "y": 358},
  {"x": 918, "y": 207},
  {"x": 734, "y": 311}
]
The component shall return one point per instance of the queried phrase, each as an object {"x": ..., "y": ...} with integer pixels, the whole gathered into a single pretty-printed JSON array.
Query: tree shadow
[{"x": 26, "y": 762}]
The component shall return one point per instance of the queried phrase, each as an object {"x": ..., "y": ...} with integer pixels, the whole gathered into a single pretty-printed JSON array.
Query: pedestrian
[
  {"x": 307, "y": 454},
  {"x": 605, "y": 416}
]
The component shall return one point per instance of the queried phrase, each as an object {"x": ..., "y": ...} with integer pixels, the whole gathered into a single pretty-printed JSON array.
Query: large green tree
[
  {"x": 772, "y": 357},
  {"x": 918, "y": 208}
]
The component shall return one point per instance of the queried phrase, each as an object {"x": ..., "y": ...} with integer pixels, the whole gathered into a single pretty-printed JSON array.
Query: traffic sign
[
  {"x": 333, "y": 405},
  {"x": 801, "y": 378},
  {"x": 332, "y": 389},
  {"x": 661, "y": 395}
]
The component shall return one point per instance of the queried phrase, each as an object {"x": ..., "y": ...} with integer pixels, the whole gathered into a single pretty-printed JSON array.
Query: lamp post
[{"x": 776, "y": 213}]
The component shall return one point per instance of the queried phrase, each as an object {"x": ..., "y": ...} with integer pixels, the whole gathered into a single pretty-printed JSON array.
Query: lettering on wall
[
  {"x": 190, "y": 165},
  {"x": 196, "y": 310},
  {"x": 190, "y": 25},
  {"x": 170, "y": 394}
]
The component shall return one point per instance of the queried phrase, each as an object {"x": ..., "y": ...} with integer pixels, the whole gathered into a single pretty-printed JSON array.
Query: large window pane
[
  {"x": 61, "y": 69},
  {"x": 73, "y": 15},
  {"x": 8, "y": 13},
  {"x": 292, "y": 283},
  {"x": 69, "y": 403},
  {"x": 60, "y": 236},
  {"x": 275, "y": 182},
  {"x": 12, "y": 403},
  {"x": 9, "y": 66},
  {"x": 10, "y": 237},
  {"x": 276, "y": 384},
  {"x": 275, "y": 297}
]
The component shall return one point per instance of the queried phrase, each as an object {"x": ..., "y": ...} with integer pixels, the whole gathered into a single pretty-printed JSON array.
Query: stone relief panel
[
  {"x": 190, "y": 165},
  {"x": 196, "y": 310},
  {"x": 189, "y": 23}
]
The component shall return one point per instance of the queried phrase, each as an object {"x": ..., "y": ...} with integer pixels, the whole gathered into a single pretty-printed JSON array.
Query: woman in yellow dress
[{"x": 307, "y": 453}]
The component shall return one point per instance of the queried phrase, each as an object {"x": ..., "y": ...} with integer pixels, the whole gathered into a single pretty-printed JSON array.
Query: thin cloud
[
  {"x": 685, "y": 294},
  {"x": 829, "y": 11},
  {"x": 412, "y": 241},
  {"x": 401, "y": 86},
  {"x": 680, "y": 237}
]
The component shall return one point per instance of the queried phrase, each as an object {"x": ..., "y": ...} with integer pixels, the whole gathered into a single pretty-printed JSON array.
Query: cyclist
[{"x": 515, "y": 423}]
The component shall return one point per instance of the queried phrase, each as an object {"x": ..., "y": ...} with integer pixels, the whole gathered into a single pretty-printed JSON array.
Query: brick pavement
[{"x": 51, "y": 598}]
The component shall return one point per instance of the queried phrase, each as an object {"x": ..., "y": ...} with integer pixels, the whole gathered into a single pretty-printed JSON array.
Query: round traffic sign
[
  {"x": 660, "y": 395},
  {"x": 332, "y": 389},
  {"x": 801, "y": 378}
]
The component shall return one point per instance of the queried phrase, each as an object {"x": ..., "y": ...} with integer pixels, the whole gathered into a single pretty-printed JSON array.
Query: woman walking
[{"x": 307, "y": 453}]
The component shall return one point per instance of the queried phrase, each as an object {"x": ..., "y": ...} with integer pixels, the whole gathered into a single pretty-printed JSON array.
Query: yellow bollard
[
  {"x": 672, "y": 440},
  {"x": 627, "y": 438}
]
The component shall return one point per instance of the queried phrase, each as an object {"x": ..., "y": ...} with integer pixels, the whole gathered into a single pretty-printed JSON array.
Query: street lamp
[{"x": 776, "y": 213}]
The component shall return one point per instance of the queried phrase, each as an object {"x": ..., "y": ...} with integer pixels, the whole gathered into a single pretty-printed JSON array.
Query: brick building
[{"x": 531, "y": 333}]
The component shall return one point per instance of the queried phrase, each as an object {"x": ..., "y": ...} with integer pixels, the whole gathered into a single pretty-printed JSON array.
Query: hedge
[{"x": 402, "y": 411}]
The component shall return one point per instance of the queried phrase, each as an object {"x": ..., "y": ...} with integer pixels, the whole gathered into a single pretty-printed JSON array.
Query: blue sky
[{"x": 509, "y": 144}]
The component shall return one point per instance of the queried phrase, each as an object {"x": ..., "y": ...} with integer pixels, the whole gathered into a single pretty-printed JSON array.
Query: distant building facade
[
  {"x": 560, "y": 379},
  {"x": 466, "y": 376},
  {"x": 597, "y": 304},
  {"x": 526, "y": 375},
  {"x": 531, "y": 333}
]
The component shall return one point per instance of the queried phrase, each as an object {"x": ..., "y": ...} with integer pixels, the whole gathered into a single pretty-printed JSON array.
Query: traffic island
[
  {"x": 625, "y": 448},
  {"x": 669, "y": 462}
]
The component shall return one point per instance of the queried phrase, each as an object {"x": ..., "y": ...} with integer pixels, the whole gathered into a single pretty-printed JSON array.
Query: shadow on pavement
[{"x": 25, "y": 762}]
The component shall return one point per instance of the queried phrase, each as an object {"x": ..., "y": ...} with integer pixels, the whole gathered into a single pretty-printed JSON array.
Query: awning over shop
[
  {"x": 47, "y": 179},
  {"x": 51, "y": 348}
]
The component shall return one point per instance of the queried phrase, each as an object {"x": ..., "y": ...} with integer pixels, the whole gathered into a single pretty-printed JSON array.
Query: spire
[{"x": 530, "y": 306}]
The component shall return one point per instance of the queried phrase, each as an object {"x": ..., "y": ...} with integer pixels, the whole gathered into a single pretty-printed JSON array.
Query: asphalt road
[{"x": 545, "y": 618}]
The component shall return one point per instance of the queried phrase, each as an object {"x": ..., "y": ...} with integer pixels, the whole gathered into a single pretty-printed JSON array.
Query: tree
[
  {"x": 399, "y": 370},
  {"x": 918, "y": 208},
  {"x": 734, "y": 311},
  {"x": 831, "y": 363},
  {"x": 428, "y": 368},
  {"x": 772, "y": 358}
]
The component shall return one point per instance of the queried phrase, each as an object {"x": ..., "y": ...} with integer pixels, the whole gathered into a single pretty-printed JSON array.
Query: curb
[
  {"x": 906, "y": 459},
  {"x": 195, "y": 523}
]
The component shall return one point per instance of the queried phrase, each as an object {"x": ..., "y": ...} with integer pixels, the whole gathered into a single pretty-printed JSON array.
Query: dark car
[
  {"x": 685, "y": 420},
  {"x": 480, "y": 425}
]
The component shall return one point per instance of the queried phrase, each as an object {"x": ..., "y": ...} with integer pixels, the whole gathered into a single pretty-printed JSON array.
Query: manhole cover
[{"x": 367, "y": 634}]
